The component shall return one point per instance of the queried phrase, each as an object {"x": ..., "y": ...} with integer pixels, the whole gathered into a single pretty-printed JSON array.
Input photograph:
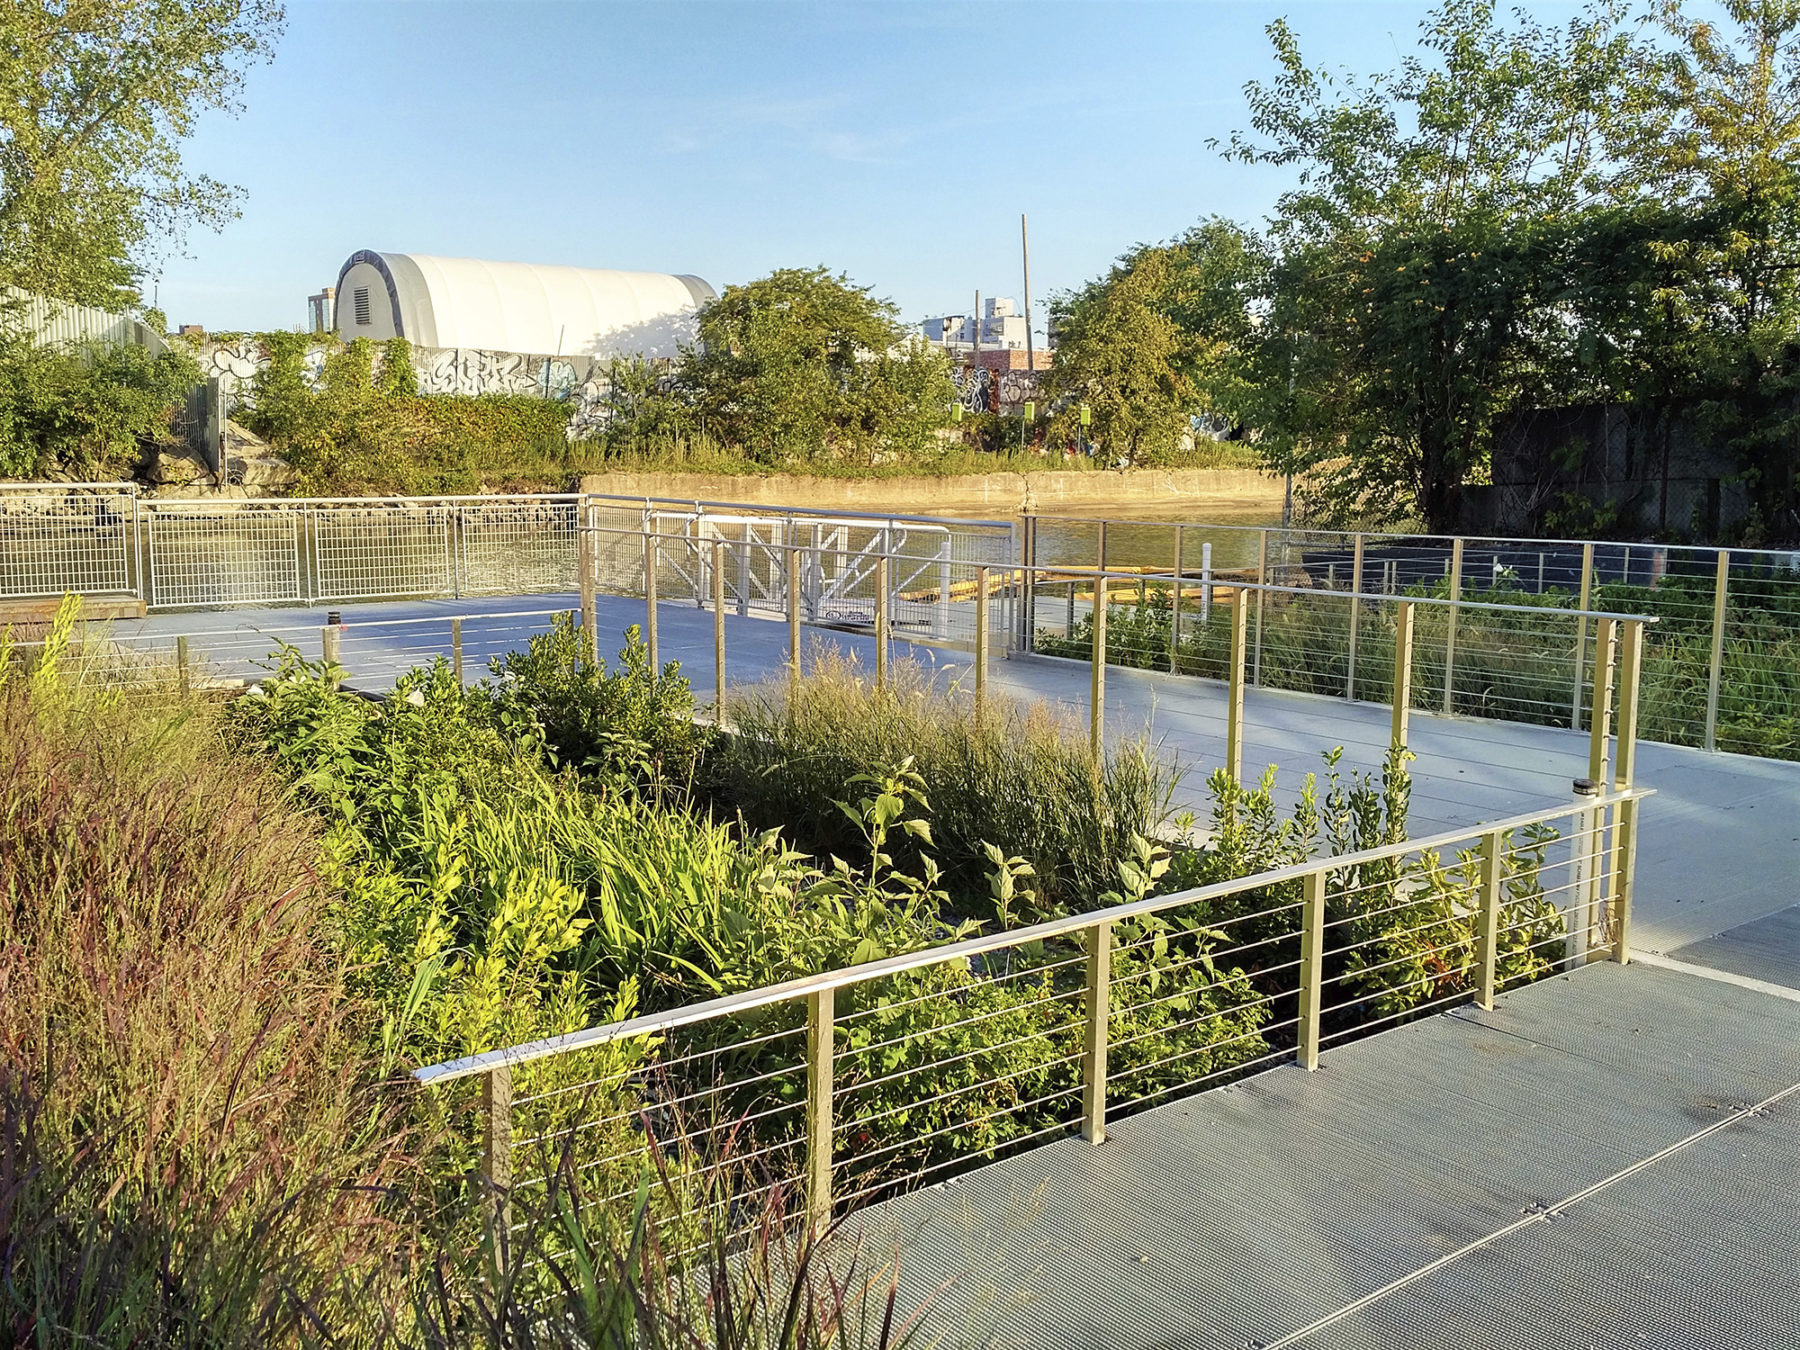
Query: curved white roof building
[{"x": 533, "y": 308}]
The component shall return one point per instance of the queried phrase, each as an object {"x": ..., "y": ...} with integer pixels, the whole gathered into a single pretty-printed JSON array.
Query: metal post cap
[
  {"x": 334, "y": 618},
  {"x": 1586, "y": 787}
]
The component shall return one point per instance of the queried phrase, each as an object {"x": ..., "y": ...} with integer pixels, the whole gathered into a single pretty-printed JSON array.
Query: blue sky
[{"x": 897, "y": 142}]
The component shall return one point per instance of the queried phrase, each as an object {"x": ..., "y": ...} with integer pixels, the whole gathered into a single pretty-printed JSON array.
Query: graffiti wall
[
  {"x": 441, "y": 370},
  {"x": 999, "y": 391}
]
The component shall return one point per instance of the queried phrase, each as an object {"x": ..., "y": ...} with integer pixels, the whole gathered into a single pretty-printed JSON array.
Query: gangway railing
[{"x": 853, "y": 1084}]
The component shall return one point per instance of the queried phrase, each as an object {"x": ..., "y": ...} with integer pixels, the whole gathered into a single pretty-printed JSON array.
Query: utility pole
[
  {"x": 1025, "y": 251},
  {"x": 975, "y": 375}
]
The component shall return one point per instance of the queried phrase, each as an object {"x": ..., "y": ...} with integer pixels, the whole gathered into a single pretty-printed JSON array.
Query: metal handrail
[
  {"x": 1084, "y": 573},
  {"x": 731, "y": 1004},
  {"x": 702, "y": 505}
]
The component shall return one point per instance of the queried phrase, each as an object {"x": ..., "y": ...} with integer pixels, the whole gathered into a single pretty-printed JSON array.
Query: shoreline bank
[{"x": 1002, "y": 494}]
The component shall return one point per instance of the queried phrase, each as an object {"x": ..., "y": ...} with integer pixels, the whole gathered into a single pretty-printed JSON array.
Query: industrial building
[{"x": 534, "y": 309}]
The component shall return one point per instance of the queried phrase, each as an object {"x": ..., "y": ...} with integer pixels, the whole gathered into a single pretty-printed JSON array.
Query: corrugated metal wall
[{"x": 56, "y": 323}]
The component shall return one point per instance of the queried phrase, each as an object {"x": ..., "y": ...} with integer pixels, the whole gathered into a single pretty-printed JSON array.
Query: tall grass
[
  {"x": 1020, "y": 779},
  {"x": 186, "y": 1143}
]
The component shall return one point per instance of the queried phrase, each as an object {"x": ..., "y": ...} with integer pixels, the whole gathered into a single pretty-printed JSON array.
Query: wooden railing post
[
  {"x": 1600, "y": 713},
  {"x": 1234, "y": 687},
  {"x": 793, "y": 618},
  {"x": 1262, "y": 579},
  {"x": 182, "y": 677},
  {"x": 456, "y": 651},
  {"x": 1623, "y": 860},
  {"x": 496, "y": 1152},
  {"x": 1312, "y": 969},
  {"x": 1175, "y": 609},
  {"x": 981, "y": 639},
  {"x": 1456, "y": 571},
  {"x": 820, "y": 1018},
  {"x": 1356, "y": 571},
  {"x": 1403, "y": 653},
  {"x": 652, "y": 561},
  {"x": 1094, "y": 1036},
  {"x": 584, "y": 579},
  {"x": 1487, "y": 919},
  {"x": 881, "y": 622},
  {"x": 1581, "y": 603},
  {"x": 331, "y": 643},
  {"x": 1097, "y": 675},
  {"x": 1715, "y": 673},
  {"x": 718, "y": 608}
]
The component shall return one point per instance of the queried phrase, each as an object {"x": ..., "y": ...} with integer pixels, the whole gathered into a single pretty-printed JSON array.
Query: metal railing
[
  {"x": 854, "y": 1084},
  {"x": 1397, "y": 650},
  {"x": 1723, "y": 666}
]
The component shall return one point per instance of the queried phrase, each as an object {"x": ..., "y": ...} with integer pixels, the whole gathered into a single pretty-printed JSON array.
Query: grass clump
[
  {"x": 189, "y": 1154},
  {"x": 1020, "y": 781}
]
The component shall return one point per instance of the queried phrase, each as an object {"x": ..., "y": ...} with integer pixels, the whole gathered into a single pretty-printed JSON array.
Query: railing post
[
  {"x": 1234, "y": 688},
  {"x": 1403, "y": 652},
  {"x": 1097, "y": 679},
  {"x": 1581, "y": 603},
  {"x": 793, "y": 617},
  {"x": 718, "y": 608},
  {"x": 1094, "y": 1036},
  {"x": 1585, "y": 869},
  {"x": 1356, "y": 571},
  {"x": 181, "y": 666},
  {"x": 584, "y": 566},
  {"x": 1600, "y": 713},
  {"x": 1624, "y": 878},
  {"x": 496, "y": 1152},
  {"x": 1175, "y": 609},
  {"x": 652, "y": 562},
  {"x": 820, "y": 1016},
  {"x": 331, "y": 648},
  {"x": 456, "y": 651},
  {"x": 1487, "y": 919},
  {"x": 1027, "y": 640},
  {"x": 1715, "y": 674},
  {"x": 1456, "y": 572},
  {"x": 981, "y": 639},
  {"x": 1262, "y": 579},
  {"x": 1312, "y": 969},
  {"x": 1623, "y": 860},
  {"x": 881, "y": 622}
]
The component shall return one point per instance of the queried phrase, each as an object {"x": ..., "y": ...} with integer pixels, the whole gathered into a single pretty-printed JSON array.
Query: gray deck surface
[
  {"x": 1593, "y": 1163},
  {"x": 1596, "y": 1163}
]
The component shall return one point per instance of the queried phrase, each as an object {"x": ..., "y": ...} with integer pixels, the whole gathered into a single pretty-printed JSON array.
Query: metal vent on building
[{"x": 361, "y": 300}]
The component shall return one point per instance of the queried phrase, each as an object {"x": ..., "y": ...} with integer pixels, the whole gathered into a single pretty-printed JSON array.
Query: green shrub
[
  {"x": 90, "y": 414},
  {"x": 630, "y": 723},
  {"x": 1022, "y": 780}
]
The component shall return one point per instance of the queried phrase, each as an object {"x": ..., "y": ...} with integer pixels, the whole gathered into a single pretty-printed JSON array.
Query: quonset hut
[{"x": 530, "y": 308}]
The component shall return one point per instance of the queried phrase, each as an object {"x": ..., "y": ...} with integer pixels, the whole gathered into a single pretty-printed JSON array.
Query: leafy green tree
[
  {"x": 96, "y": 97},
  {"x": 802, "y": 364},
  {"x": 1120, "y": 353},
  {"x": 1419, "y": 273},
  {"x": 86, "y": 413},
  {"x": 1209, "y": 284}
]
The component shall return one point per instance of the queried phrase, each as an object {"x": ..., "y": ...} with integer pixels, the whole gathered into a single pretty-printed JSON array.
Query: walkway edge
[{"x": 1722, "y": 976}]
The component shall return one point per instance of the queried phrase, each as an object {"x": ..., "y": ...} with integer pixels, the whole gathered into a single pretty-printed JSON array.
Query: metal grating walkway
[{"x": 1595, "y": 1163}]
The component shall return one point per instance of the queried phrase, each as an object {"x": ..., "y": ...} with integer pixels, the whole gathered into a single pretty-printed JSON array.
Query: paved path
[{"x": 1721, "y": 845}]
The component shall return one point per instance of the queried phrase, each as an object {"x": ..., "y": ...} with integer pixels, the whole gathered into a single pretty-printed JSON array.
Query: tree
[
  {"x": 802, "y": 364},
  {"x": 1120, "y": 353},
  {"x": 96, "y": 97},
  {"x": 1420, "y": 250}
]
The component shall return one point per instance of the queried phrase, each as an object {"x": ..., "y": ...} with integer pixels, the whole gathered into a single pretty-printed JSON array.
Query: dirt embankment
[{"x": 1001, "y": 494}]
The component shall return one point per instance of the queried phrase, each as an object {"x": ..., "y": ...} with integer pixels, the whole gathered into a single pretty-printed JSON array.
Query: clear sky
[{"x": 895, "y": 141}]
